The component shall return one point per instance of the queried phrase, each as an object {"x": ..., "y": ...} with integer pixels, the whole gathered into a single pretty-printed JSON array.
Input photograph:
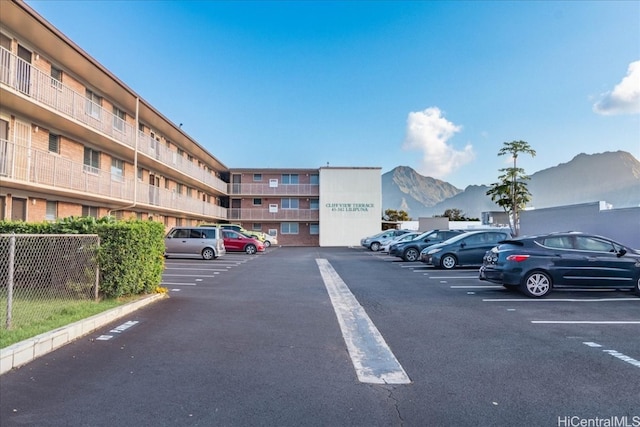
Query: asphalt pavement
[{"x": 258, "y": 341}]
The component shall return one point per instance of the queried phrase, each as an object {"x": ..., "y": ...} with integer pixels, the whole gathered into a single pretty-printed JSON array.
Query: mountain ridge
[{"x": 611, "y": 176}]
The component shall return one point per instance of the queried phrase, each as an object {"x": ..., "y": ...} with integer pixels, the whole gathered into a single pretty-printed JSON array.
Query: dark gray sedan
[{"x": 536, "y": 264}]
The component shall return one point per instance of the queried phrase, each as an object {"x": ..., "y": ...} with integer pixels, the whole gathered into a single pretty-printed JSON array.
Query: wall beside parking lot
[
  {"x": 622, "y": 225},
  {"x": 350, "y": 205}
]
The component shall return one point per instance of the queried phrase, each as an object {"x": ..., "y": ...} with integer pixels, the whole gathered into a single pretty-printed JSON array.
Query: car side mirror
[{"x": 621, "y": 252}]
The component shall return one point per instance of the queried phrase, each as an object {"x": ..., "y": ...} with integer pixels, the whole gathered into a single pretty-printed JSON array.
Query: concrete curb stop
[{"x": 21, "y": 353}]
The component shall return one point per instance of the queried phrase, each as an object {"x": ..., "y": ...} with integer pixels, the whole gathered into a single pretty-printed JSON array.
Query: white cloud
[
  {"x": 429, "y": 132},
  {"x": 625, "y": 96}
]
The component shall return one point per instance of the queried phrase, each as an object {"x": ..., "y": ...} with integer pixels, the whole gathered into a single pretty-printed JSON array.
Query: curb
[{"x": 21, "y": 353}]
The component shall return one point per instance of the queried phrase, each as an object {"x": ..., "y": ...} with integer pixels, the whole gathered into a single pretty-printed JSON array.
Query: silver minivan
[{"x": 203, "y": 242}]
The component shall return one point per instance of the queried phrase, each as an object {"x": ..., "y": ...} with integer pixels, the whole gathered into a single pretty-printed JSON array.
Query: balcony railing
[
  {"x": 268, "y": 215},
  {"x": 280, "y": 190},
  {"x": 37, "y": 167},
  {"x": 32, "y": 82},
  {"x": 152, "y": 148}
]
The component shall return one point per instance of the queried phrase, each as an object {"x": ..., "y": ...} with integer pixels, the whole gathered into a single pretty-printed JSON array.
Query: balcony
[
  {"x": 265, "y": 215},
  {"x": 269, "y": 190},
  {"x": 29, "y": 81},
  {"x": 42, "y": 169}
]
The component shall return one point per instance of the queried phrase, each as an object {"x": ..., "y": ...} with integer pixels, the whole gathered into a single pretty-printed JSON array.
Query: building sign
[{"x": 349, "y": 207}]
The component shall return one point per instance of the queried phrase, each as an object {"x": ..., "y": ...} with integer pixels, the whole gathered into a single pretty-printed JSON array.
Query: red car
[{"x": 238, "y": 242}]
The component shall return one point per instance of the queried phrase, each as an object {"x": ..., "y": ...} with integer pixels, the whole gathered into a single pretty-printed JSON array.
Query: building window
[
  {"x": 117, "y": 169},
  {"x": 140, "y": 174},
  {"x": 56, "y": 77},
  {"x": 179, "y": 188},
  {"x": 119, "y": 118},
  {"x": 90, "y": 211},
  {"x": 257, "y": 177},
  {"x": 93, "y": 104},
  {"x": 54, "y": 143},
  {"x": 289, "y": 203},
  {"x": 91, "y": 160},
  {"x": 52, "y": 211},
  {"x": 290, "y": 178},
  {"x": 189, "y": 192},
  {"x": 118, "y": 215},
  {"x": 314, "y": 228},
  {"x": 180, "y": 152},
  {"x": 314, "y": 179},
  {"x": 289, "y": 228},
  {"x": 314, "y": 204},
  {"x": 257, "y": 202},
  {"x": 256, "y": 226}
]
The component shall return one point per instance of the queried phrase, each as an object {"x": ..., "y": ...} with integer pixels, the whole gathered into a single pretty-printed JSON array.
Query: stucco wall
[
  {"x": 350, "y": 205},
  {"x": 622, "y": 225}
]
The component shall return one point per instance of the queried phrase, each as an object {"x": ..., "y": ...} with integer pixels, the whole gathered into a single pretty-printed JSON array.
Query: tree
[
  {"x": 454, "y": 214},
  {"x": 395, "y": 216},
  {"x": 511, "y": 192}
]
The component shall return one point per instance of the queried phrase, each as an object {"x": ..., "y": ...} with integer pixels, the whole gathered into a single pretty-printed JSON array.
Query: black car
[
  {"x": 536, "y": 264},
  {"x": 410, "y": 250},
  {"x": 467, "y": 248}
]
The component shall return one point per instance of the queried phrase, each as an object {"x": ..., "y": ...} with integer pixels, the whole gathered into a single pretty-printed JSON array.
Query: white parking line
[
  {"x": 559, "y": 299},
  {"x": 177, "y": 284},
  {"x": 188, "y": 275},
  {"x": 452, "y": 277},
  {"x": 588, "y": 322},
  {"x": 616, "y": 354},
  {"x": 371, "y": 356},
  {"x": 476, "y": 287}
]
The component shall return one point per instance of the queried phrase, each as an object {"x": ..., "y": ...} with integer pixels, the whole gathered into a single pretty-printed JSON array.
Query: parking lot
[{"x": 341, "y": 336}]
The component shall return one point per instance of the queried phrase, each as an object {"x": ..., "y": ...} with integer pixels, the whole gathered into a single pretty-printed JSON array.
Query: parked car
[
  {"x": 240, "y": 229},
  {"x": 204, "y": 242},
  {"x": 410, "y": 250},
  {"x": 238, "y": 242},
  {"x": 401, "y": 238},
  {"x": 464, "y": 249},
  {"x": 537, "y": 264},
  {"x": 270, "y": 240},
  {"x": 376, "y": 241}
]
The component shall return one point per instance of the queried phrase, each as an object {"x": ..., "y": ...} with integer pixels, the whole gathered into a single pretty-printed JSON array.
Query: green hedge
[{"x": 130, "y": 253}]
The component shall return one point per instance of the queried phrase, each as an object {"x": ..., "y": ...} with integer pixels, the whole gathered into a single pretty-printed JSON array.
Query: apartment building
[
  {"x": 75, "y": 140},
  {"x": 281, "y": 202}
]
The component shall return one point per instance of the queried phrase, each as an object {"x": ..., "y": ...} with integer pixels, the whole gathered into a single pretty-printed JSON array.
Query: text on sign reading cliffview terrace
[{"x": 349, "y": 207}]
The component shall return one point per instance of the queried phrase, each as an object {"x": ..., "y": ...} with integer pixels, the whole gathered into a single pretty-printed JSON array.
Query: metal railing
[
  {"x": 269, "y": 215},
  {"x": 280, "y": 190},
  {"x": 34, "y": 83},
  {"x": 42, "y": 273},
  {"x": 44, "y": 168}
]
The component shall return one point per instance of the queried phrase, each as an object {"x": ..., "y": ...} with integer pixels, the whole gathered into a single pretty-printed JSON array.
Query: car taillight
[{"x": 517, "y": 258}]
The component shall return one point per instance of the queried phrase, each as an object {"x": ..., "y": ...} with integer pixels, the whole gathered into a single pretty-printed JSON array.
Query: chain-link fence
[{"x": 41, "y": 273}]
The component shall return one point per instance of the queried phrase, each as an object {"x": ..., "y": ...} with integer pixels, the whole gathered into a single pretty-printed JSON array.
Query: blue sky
[{"x": 437, "y": 86}]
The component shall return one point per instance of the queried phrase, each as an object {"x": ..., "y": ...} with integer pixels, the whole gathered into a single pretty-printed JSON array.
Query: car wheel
[
  {"x": 375, "y": 246},
  {"x": 448, "y": 262},
  {"x": 638, "y": 286},
  {"x": 267, "y": 243},
  {"x": 411, "y": 255},
  {"x": 208, "y": 253},
  {"x": 536, "y": 284},
  {"x": 250, "y": 249}
]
